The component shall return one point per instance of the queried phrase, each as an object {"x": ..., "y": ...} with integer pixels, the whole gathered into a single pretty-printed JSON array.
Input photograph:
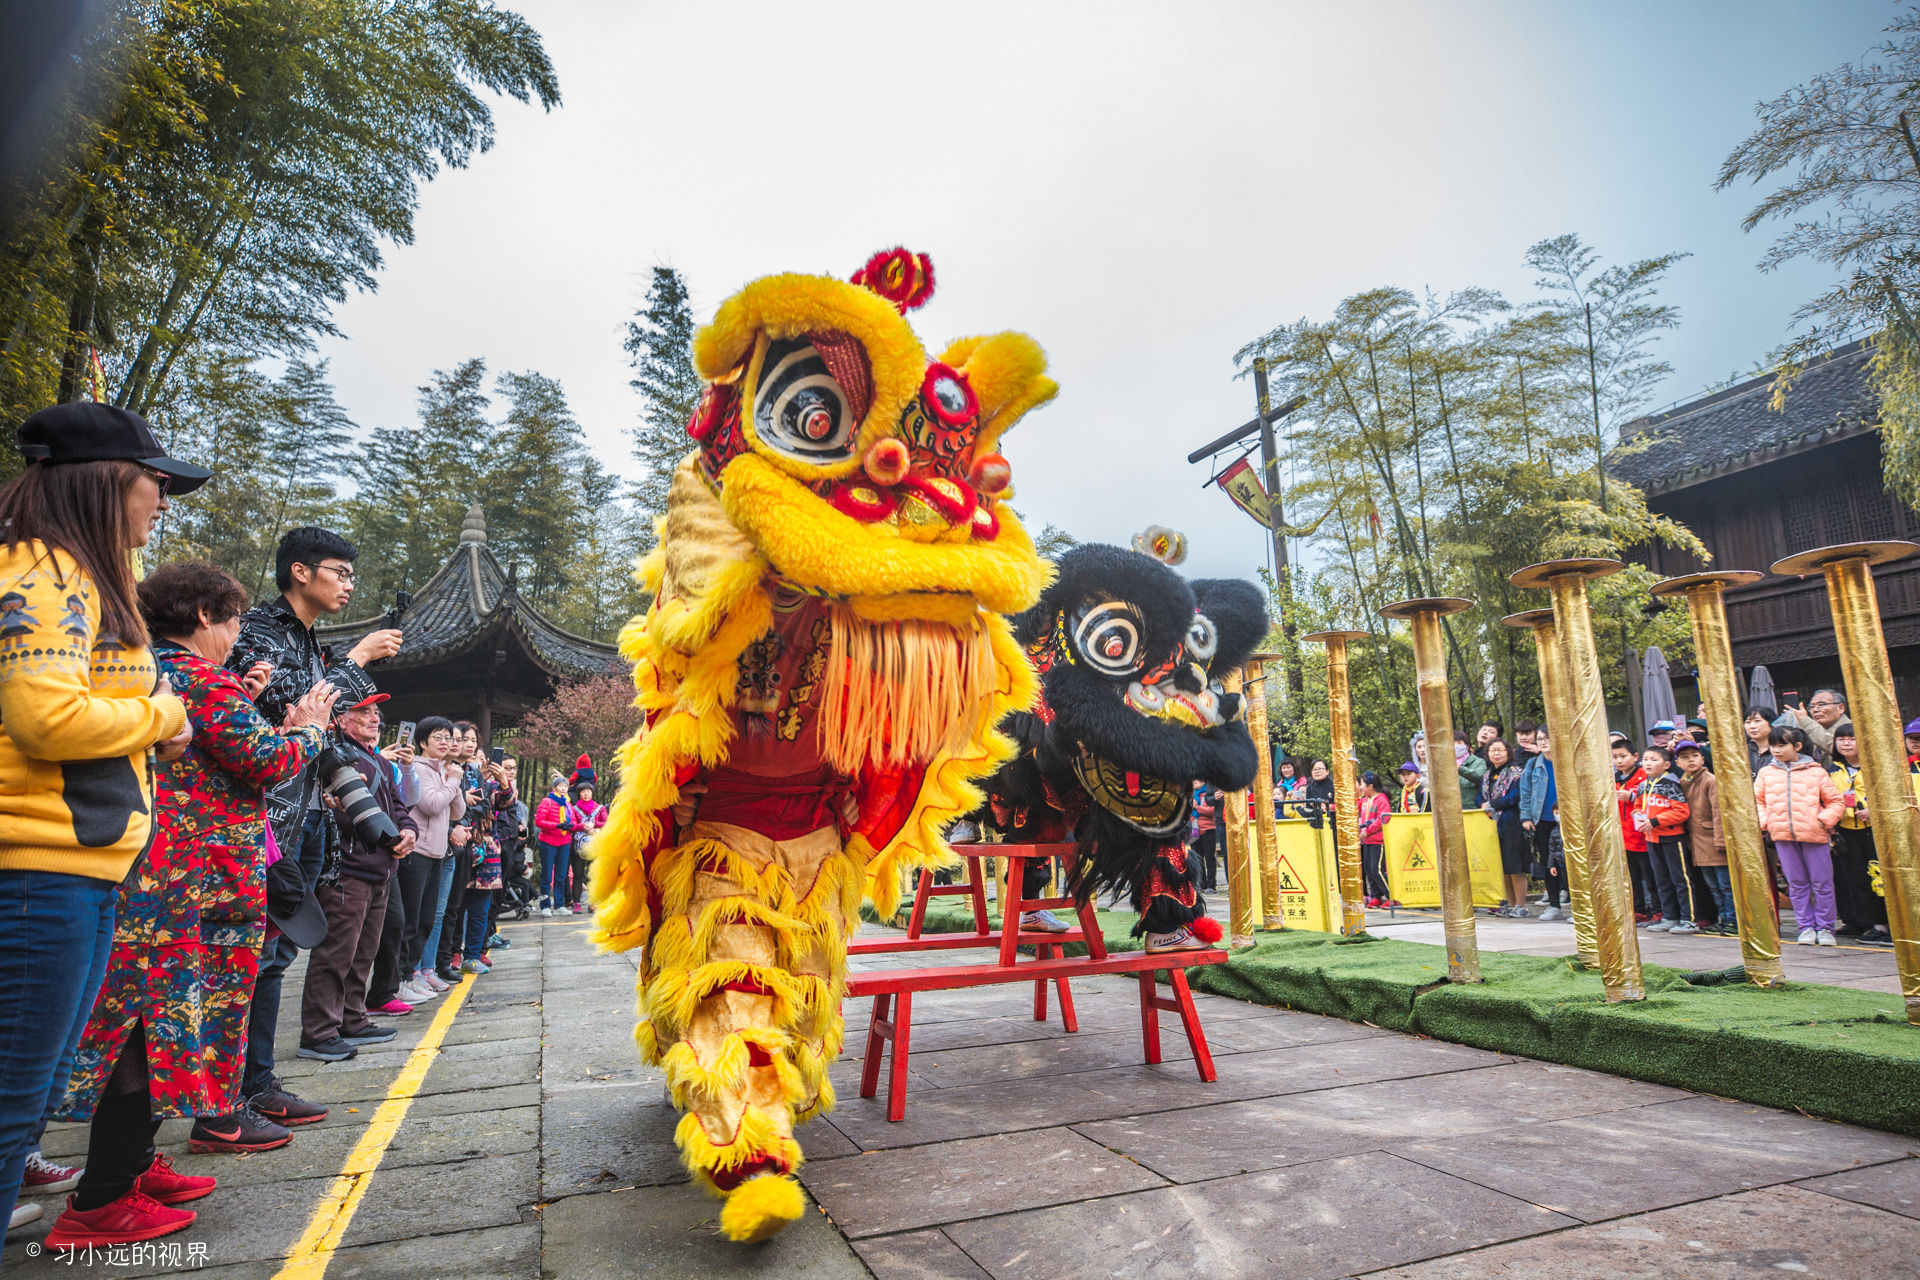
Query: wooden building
[
  {"x": 1757, "y": 484},
  {"x": 474, "y": 649}
]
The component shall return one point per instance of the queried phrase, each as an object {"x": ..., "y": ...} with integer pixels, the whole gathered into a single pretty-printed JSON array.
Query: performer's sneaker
[
  {"x": 169, "y": 1186},
  {"x": 1044, "y": 922},
  {"x": 1181, "y": 939}
]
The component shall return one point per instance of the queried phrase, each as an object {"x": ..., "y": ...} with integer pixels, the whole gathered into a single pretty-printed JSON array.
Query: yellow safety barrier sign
[{"x": 1413, "y": 872}]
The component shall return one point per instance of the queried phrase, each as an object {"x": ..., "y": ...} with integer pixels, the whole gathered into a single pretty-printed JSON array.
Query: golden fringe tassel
[{"x": 901, "y": 692}]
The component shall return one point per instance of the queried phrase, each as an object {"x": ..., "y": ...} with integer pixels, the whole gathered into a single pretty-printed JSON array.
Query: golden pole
[
  {"x": 1554, "y": 691},
  {"x": 1876, "y": 724},
  {"x": 1243, "y": 871},
  {"x": 1739, "y": 818},
  {"x": 1443, "y": 780},
  {"x": 1609, "y": 889},
  {"x": 1268, "y": 836},
  {"x": 1346, "y": 807}
]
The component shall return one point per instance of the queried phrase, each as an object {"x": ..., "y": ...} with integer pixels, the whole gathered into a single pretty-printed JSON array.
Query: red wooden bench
[{"x": 893, "y": 989}]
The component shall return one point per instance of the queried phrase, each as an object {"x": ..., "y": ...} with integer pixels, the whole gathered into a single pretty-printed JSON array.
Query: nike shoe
[
  {"x": 237, "y": 1132},
  {"x": 1044, "y": 922},
  {"x": 282, "y": 1106}
]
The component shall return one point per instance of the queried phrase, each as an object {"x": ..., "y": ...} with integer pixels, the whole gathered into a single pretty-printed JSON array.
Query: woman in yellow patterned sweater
[{"x": 81, "y": 712}]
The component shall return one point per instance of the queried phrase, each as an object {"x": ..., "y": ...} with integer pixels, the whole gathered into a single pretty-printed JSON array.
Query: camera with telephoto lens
[{"x": 346, "y": 788}]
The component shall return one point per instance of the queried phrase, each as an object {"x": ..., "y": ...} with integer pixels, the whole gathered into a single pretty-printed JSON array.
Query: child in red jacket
[
  {"x": 1627, "y": 777},
  {"x": 1660, "y": 814}
]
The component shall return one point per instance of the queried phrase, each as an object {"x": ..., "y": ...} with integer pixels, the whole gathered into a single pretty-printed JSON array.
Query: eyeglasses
[
  {"x": 339, "y": 571},
  {"x": 160, "y": 478}
]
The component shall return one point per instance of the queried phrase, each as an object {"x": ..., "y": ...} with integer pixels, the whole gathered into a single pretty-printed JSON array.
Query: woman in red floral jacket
[{"x": 167, "y": 1036}]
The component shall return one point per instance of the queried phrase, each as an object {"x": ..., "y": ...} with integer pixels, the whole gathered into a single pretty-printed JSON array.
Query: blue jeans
[
  {"x": 430, "y": 949},
  {"x": 263, "y": 1015},
  {"x": 1720, "y": 880},
  {"x": 55, "y": 933},
  {"x": 479, "y": 920},
  {"x": 554, "y": 864}
]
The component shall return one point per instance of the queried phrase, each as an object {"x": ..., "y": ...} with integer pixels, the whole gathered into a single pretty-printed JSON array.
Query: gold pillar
[
  {"x": 1346, "y": 809},
  {"x": 1609, "y": 888},
  {"x": 1443, "y": 780},
  {"x": 1739, "y": 818},
  {"x": 1267, "y": 835},
  {"x": 1243, "y": 871},
  {"x": 1876, "y": 724},
  {"x": 1558, "y": 697}
]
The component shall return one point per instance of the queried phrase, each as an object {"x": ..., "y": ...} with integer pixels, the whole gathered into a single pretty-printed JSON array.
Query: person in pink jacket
[
  {"x": 1799, "y": 807},
  {"x": 554, "y": 822}
]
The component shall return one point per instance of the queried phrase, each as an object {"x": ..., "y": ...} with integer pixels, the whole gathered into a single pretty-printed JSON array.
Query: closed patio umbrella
[
  {"x": 1760, "y": 690},
  {"x": 1656, "y": 691}
]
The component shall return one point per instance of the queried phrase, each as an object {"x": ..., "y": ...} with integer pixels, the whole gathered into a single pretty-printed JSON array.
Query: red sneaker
[
  {"x": 395, "y": 1008},
  {"x": 133, "y": 1217},
  {"x": 45, "y": 1178},
  {"x": 169, "y": 1186}
]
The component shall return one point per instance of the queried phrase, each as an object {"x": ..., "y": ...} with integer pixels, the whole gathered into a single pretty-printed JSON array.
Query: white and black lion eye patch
[
  {"x": 1108, "y": 635},
  {"x": 799, "y": 410}
]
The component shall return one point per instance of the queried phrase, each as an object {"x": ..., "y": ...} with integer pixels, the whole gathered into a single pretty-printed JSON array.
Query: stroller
[{"x": 517, "y": 886}]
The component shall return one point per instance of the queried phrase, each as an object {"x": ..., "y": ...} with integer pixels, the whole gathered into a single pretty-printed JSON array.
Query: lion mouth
[{"x": 1202, "y": 710}]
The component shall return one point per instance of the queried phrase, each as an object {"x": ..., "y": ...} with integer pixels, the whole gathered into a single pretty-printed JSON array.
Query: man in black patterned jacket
[{"x": 278, "y": 654}]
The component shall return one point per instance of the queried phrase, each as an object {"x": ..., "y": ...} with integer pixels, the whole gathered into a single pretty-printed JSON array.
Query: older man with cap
[
  {"x": 1825, "y": 709},
  {"x": 333, "y": 1008}
]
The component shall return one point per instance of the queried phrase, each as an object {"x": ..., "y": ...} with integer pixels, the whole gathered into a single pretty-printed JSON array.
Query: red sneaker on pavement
[
  {"x": 45, "y": 1178},
  {"x": 395, "y": 1008},
  {"x": 169, "y": 1186},
  {"x": 133, "y": 1217}
]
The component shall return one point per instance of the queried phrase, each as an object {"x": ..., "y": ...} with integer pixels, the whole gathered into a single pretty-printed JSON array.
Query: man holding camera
[
  {"x": 333, "y": 1009},
  {"x": 278, "y": 653}
]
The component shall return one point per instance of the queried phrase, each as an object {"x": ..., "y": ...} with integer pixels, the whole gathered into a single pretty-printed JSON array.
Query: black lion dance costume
[
  {"x": 822, "y": 673},
  {"x": 1131, "y": 716}
]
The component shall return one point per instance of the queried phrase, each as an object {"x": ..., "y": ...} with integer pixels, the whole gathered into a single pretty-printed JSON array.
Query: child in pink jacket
[{"x": 1799, "y": 807}]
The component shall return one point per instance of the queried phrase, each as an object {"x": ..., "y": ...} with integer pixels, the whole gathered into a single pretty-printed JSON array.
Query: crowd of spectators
[
  {"x": 193, "y": 791},
  {"x": 1815, "y": 814}
]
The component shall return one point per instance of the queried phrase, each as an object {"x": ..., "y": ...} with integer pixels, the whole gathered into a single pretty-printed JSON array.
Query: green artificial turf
[{"x": 1829, "y": 1051}]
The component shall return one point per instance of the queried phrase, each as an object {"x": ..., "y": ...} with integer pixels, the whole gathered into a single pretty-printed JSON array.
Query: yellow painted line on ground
[{"x": 314, "y": 1249}]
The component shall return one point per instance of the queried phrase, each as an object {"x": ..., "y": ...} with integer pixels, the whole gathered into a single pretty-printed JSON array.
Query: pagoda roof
[
  {"x": 1831, "y": 399},
  {"x": 471, "y": 602}
]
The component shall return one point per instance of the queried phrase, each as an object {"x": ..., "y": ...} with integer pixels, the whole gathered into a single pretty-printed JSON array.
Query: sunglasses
[{"x": 160, "y": 478}]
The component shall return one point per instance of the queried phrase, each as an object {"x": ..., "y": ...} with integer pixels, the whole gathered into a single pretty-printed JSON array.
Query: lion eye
[
  {"x": 799, "y": 409},
  {"x": 1108, "y": 636},
  {"x": 1202, "y": 640}
]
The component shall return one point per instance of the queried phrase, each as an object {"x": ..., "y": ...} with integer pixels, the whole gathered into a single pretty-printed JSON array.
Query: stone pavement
[{"x": 540, "y": 1147}]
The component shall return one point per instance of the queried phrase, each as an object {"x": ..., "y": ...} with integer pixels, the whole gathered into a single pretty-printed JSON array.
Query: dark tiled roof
[
  {"x": 1738, "y": 428},
  {"x": 470, "y": 599}
]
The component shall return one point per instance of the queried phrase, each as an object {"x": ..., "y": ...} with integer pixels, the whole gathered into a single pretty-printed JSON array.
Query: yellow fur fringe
[
  {"x": 901, "y": 692},
  {"x": 761, "y": 1207}
]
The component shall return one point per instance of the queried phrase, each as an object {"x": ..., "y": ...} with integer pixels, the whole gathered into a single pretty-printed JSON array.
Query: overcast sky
[{"x": 1142, "y": 187}]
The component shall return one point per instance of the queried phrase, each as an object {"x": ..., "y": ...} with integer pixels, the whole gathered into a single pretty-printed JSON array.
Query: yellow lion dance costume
[{"x": 822, "y": 672}]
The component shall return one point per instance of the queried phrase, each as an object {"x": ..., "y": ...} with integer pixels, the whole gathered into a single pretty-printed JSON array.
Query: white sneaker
[
  {"x": 428, "y": 978},
  {"x": 414, "y": 994},
  {"x": 1664, "y": 926},
  {"x": 1551, "y": 913},
  {"x": 1685, "y": 926},
  {"x": 1181, "y": 939},
  {"x": 546, "y": 911},
  {"x": 1044, "y": 922},
  {"x": 1826, "y": 938},
  {"x": 1808, "y": 938},
  {"x": 24, "y": 1212}
]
